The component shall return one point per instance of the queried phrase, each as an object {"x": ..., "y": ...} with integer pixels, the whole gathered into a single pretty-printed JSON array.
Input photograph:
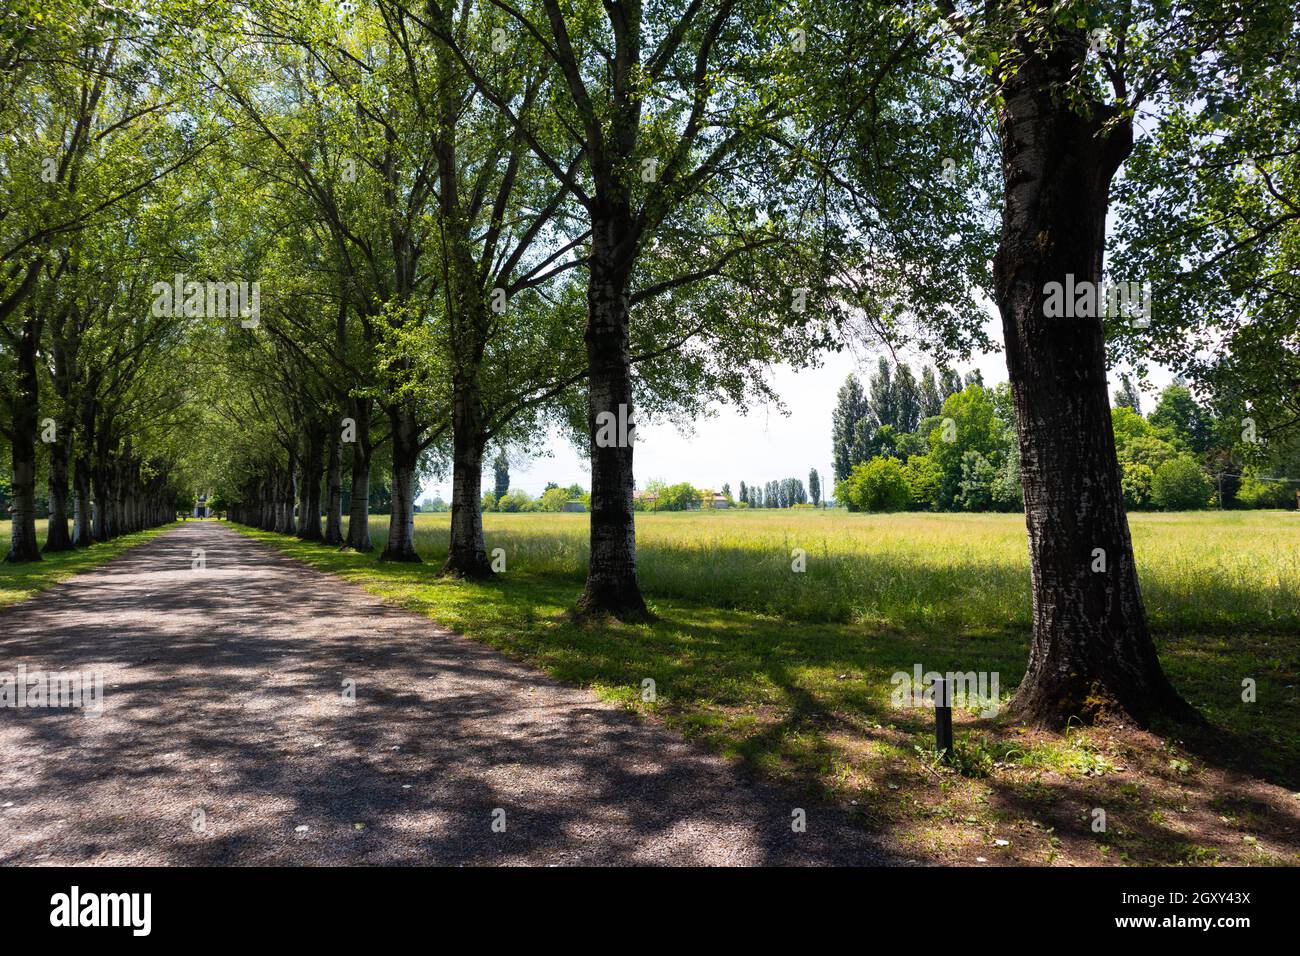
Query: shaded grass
[
  {"x": 806, "y": 699},
  {"x": 18, "y": 582}
]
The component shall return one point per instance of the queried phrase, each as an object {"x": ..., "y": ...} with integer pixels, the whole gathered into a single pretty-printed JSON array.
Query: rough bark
[
  {"x": 406, "y": 453},
  {"x": 611, "y": 586},
  {"x": 309, "y": 487},
  {"x": 359, "y": 506},
  {"x": 334, "y": 482},
  {"x": 57, "y": 537},
  {"x": 22, "y": 535},
  {"x": 1091, "y": 653},
  {"x": 467, "y": 555}
]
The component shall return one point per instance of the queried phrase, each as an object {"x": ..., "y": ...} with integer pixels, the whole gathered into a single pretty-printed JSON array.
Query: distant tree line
[
  {"x": 784, "y": 493},
  {"x": 553, "y": 497},
  {"x": 896, "y": 402},
  {"x": 1185, "y": 455}
]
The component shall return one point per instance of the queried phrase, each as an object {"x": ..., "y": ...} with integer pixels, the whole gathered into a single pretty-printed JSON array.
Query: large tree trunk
[
  {"x": 359, "y": 506},
  {"x": 82, "y": 532},
  {"x": 268, "y": 511},
  {"x": 1091, "y": 652},
  {"x": 309, "y": 489},
  {"x": 103, "y": 503},
  {"x": 120, "y": 524},
  {"x": 467, "y": 556},
  {"x": 57, "y": 538},
  {"x": 121, "y": 514},
  {"x": 334, "y": 483},
  {"x": 406, "y": 454},
  {"x": 22, "y": 533},
  {"x": 611, "y": 576},
  {"x": 284, "y": 523}
]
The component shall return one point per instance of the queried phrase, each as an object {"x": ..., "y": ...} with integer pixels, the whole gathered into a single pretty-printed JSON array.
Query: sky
[{"x": 764, "y": 445}]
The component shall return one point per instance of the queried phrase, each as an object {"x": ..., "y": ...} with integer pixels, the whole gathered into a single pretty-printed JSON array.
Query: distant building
[
  {"x": 201, "y": 506},
  {"x": 574, "y": 504},
  {"x": 719, "y": 501}
]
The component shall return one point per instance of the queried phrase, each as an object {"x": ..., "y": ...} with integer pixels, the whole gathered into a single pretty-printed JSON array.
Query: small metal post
[{"x": 943, "y": 715}]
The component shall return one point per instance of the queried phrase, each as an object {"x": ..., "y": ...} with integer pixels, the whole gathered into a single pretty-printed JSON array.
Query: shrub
[
  {"x": 1128, "y": 425},
  {"x": 1136, "y": 481},
  {"x": 553, "y": 499},
  {"x": 1254, "y": 493},
  {"x": 922, "y": 475},
  {"x": 1146, "y": 450},
  {"x": 489, "y": 502},
  {"x": 1180, "y": 485},
  {"x": 875, "y": 485},
  {"x": 975, "y": 427},
  {"x": 678, "y": 497},
  {"x": 1008, "y": 495},
  {"x": 515, "y": 500},
  {"x": 975, "y": 491}
]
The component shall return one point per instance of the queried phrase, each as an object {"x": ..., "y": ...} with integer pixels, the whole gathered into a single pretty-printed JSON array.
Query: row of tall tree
[
  {"x": 895, "y": 403},
  {"x": 474, "y": 223},
  {"x": 94, "y": 394},
  {"x": 785, "y": 493},
  {"x": 464, "y": 269}
]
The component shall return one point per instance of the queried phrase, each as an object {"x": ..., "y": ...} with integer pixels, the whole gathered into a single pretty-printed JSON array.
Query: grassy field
[
  {"x": 18, "y": 582},
  {"x": 950, "y": 572},
  {"x": 790, "y": 672}
]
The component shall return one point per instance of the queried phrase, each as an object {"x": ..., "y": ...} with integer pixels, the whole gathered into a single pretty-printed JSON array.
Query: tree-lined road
[{"x": 225, "y": 731}]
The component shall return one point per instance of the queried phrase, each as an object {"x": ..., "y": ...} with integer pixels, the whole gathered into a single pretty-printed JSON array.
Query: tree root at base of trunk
[
  {"x": 626, "y": 610},
  {"x": 402, "y": 557},
  {"x": 1093, "y": 702},
  {"x": 471, "y": 571}
]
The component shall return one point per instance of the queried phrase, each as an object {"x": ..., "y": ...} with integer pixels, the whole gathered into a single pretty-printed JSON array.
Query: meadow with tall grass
[{"x": 1201, "y": 571}]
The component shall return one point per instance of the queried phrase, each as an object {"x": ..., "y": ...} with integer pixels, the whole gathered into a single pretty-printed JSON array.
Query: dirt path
[{"x": 225, "y": 732}]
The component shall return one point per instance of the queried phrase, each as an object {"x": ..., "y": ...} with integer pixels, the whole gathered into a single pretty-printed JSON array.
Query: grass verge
[
  {"x": 808, "y": 703},
  {"x": 18, "y": 582}
]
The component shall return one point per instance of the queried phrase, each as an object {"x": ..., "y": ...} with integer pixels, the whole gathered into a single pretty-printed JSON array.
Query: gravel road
[{"x": 226, "y": 738}]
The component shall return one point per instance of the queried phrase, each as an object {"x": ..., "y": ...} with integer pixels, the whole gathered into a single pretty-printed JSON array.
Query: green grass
[
  {"x": 790, "y": 672},
  {"x": 18, "y": 582},
  {"x": 1206, "y": 571}
]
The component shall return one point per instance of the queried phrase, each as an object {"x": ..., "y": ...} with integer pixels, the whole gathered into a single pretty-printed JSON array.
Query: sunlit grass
[
  {"x": 1203, "y": 571},
  {"x": 18, "y": 582}
]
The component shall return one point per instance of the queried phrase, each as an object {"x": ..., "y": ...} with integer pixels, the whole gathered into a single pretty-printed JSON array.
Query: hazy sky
[{"x": 762, "y": 446}]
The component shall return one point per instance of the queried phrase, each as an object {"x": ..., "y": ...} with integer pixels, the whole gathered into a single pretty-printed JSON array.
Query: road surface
[{"x": 226, "y": 737}]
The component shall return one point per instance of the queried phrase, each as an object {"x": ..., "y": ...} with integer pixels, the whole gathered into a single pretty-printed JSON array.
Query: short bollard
[{"x": 943, "y": 716}]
